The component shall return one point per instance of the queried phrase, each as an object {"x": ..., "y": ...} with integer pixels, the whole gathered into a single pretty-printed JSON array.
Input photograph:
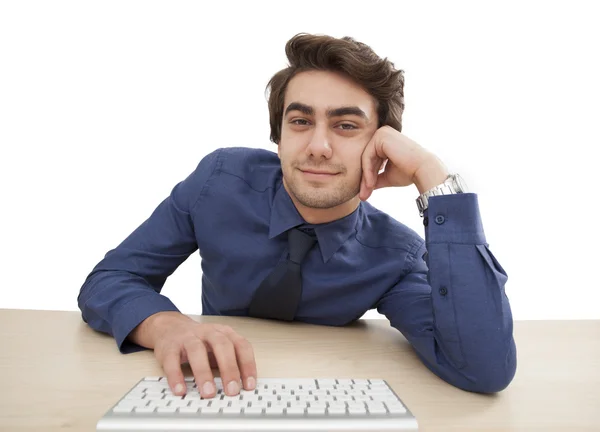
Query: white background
[{"x": 105, "y": 106}]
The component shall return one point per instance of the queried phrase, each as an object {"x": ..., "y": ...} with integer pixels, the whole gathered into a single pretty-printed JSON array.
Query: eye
[
  {"x": 299, "y": 120},
  {"x": 349, "y": 126}
]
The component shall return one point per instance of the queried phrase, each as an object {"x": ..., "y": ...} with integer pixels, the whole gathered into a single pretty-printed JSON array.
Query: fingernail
[
  {"x": 207, "y": 388},
  {"x": 251, "y": 383},
  {"x": 233, "y": 388},
  {"x": 179, "y": 388}
]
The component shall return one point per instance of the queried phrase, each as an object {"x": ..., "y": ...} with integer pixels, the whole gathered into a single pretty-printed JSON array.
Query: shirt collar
[{"x": 330, "y": 236}]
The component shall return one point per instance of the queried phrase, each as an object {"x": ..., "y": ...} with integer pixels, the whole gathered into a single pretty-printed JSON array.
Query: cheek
[
  {"x": 355, "y": 162},
  {"x": 286, "y": 160}
]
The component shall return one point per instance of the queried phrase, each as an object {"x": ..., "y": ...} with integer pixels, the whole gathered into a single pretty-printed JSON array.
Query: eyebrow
[{"x": 336, "y": 112}]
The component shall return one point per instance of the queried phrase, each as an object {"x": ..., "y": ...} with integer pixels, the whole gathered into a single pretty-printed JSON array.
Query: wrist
[
  {"x": 145, "y": 334},
  {"x": 431, "y": 174}
]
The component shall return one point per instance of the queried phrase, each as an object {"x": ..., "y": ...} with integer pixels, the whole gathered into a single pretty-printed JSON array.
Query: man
[{"x": 289, "y": 235}]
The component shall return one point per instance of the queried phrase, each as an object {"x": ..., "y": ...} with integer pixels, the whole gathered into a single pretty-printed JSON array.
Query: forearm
[
  {"x": 473, "y": 325},
  {"x": 471, "y": 343},
  {"x": 451, "y": 303},
  {"x": 116, "y": 302}
]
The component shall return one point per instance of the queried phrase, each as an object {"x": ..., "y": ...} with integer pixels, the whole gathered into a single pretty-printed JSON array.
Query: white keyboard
[{"x": 276, "y": 404}]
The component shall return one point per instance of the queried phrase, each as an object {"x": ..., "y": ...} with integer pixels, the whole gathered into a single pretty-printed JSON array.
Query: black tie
[{"x": 279, "y": 294}]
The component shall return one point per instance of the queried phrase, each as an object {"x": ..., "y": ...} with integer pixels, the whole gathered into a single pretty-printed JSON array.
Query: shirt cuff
[
  {"x": 453, "y": 219},
  {"x": 133, "y": 313}
]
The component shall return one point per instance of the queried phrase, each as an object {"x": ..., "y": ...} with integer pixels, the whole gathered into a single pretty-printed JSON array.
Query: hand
[
  {"x": 178, "y": 339},
  {"x": 405, "y": 161}
]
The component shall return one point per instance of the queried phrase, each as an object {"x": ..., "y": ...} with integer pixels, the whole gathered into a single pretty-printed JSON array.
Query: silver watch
[{"x": 454, "y": 184}]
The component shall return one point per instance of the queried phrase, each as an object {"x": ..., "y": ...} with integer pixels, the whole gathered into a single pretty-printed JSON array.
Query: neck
[{"x": 317, "y": 216}]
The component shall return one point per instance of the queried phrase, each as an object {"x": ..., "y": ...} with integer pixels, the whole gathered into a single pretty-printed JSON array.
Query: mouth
[{"x": 314, "y": 174}]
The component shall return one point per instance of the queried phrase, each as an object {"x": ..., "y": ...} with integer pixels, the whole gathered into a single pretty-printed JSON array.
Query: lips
[
  {"x": 318, "y": 176},
  {"x": 318, "y": 172}
]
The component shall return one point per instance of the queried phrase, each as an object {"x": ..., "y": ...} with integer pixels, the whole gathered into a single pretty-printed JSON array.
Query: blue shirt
[{"x": 445, "y": 294}]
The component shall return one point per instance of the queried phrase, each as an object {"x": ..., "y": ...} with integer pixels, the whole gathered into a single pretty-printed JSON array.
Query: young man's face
[{"x": 314, "y": 140}]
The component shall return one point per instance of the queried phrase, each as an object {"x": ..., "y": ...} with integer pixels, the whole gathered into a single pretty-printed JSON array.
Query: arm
[
  {"x": 124, "y": 288},
  {"x": 451, "y": 304}
]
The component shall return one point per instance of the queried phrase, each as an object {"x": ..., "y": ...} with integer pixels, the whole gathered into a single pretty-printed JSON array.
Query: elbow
[
  {"x": 480, "y": 374},
  {"x": 493, "y": 383},
  {"x": 493, "y": 377}
]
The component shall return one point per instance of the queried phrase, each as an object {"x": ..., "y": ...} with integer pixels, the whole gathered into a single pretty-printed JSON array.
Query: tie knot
[
  {"x": 300, "y": 243},
  {"x": 309, "y": 231}
]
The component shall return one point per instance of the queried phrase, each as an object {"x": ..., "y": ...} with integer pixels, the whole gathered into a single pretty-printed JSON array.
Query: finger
[
  {"x": 224, "y": 351},
  {"x": 366, "y": 190},
  {"x": 363, "y": 190},
  {"x": 198, "y": 360},
  {"x": 212, "y": 360},
  {"x": 379, "y": 161},
  {"x": 369, "y": 158},
  {"x": 245, "y": 360},
  {"x": 171, "y": 364},
  {"x": 382, "y": 181}
]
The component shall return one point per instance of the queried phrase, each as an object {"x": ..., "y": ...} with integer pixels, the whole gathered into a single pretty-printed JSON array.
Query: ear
[{"x": 279, "y": 150}]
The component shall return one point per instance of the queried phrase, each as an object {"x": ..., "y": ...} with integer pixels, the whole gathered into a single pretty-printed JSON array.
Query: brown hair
[{"x": 355, "y": 60}]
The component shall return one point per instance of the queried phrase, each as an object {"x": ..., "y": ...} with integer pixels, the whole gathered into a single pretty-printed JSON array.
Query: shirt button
[
  {"x": 439, "y": 219},
  {"x": 443, "y": 291},
  {"x": 426, "y": 221}
]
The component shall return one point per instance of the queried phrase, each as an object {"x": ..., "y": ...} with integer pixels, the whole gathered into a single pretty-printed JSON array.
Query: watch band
[{"x": 453, "y": 184}]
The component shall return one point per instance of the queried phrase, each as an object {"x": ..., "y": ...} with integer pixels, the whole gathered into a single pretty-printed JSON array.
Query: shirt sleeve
[
  {"x": 451, "y": 305},
  {"x": 124, "y": 288}
]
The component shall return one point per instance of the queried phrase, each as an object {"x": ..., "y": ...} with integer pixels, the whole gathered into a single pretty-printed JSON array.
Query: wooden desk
[{"x": 58, "y": 374}]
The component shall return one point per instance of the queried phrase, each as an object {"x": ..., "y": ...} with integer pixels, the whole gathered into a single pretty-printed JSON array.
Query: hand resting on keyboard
[{"x": 177, "y": 339}]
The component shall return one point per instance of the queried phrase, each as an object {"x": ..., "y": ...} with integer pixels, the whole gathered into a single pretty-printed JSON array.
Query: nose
[{"x": 319, "y": 146}]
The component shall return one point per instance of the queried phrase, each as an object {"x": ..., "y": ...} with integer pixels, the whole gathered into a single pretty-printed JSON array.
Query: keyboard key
[
  {"x": 356, "y": 409},
  {"x": 325, "y": 383},
  {"x": 188, "y": 410},
  {"x": 295, "y": 410},
  {"x": 336, "y": 410},
  {"x": 377, "y": 409},
  {"x": 343, "y": 398},
  {"x": 130, "y": 403},
  {"x": 253, "y": 410},
  {"x": 362, "y": 398},
  {"x": 210, "y": 410},
  {"x": 312, "y": 410},
  {"x": 232, "y": 410},
  {"x": 168, "y": 409},
  {"x": 274, "y": 411},
  {"x": 396, "y": 409},
  {"x": 172, "y": 397},
  {"x": 122, "y": 409},
  {"x": 230, "y": 398},
  {"x": 145, "y": 410},
  {"x": 199, "y": 403}
]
